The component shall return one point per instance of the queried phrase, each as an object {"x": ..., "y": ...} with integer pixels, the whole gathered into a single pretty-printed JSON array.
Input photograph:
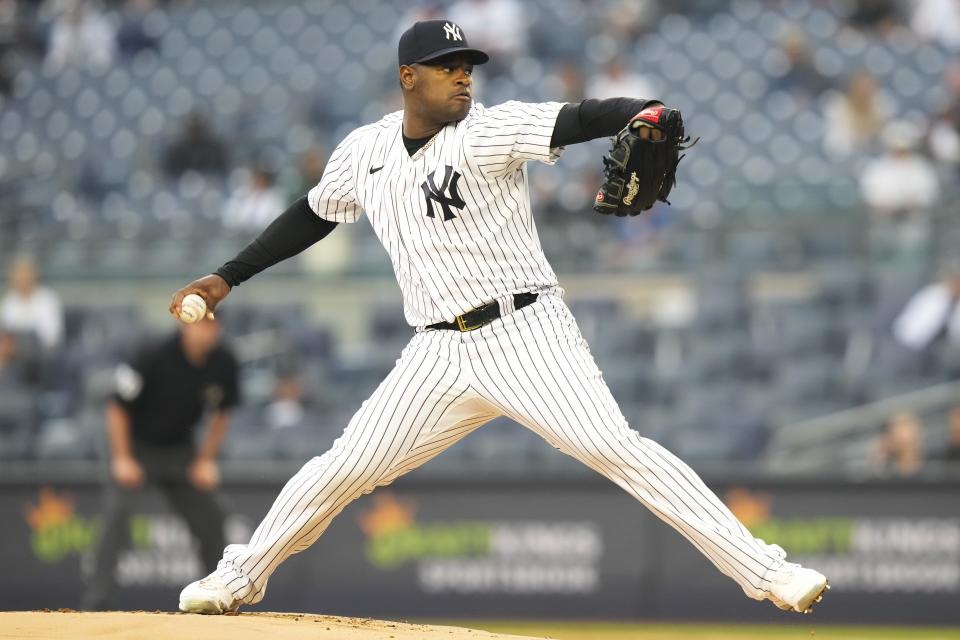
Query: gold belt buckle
[{"x": 463, "y": 326}]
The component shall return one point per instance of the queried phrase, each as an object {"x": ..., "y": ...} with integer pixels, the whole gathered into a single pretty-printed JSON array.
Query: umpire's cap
[{"x": 430, "y": 39}]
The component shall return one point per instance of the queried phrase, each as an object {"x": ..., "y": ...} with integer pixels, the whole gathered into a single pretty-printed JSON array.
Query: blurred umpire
[{"x": 161, "y": 396}]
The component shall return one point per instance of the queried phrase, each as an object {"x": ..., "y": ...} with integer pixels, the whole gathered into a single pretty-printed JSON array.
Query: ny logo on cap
[{"x": 452, "y": 31}]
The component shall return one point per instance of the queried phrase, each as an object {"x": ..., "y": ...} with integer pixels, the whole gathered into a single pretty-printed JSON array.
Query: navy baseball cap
[{"x": 431, "y": 39}]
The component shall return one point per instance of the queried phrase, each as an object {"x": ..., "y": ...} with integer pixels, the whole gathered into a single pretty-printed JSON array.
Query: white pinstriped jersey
[
  {"x": 455, "y": 219},
  {"x": 455, "y": 216}
]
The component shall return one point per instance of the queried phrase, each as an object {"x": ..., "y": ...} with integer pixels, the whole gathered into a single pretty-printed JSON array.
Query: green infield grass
[{"x": 678, "y": 631}]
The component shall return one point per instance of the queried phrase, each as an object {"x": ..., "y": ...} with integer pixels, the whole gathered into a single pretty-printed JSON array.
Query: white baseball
[{"x": 192, "y": 308}]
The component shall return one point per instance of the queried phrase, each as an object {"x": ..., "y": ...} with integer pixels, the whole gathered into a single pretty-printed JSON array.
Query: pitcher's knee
[
  {"x": 360, "y": 480},
  {"x": 624, "y": 436},
  {"x": 620, "y": 446},
  {"x": 318, "y": 478}
]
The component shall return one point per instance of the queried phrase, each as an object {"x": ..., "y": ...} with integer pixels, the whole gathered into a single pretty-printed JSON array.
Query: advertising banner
[
  {"x": 537, "y": 551},
  {"x": 891, "y": 551}
]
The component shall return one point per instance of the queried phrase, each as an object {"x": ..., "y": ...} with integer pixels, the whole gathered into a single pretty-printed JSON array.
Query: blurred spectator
[
  {"x": 287, "y": 409},
  {"x": 9, "y": 369},
  {"x": 9, "y": 37},
  {"x": 952, "y": 84},
  {"x": 9, "y": 19},
  {"x": 931, "y": 313},
  {"x": 498, "y": 27},
  {"x": 627, "y": 20},
  {"x": 855, "y": 117},
  {"x": 899, "y": 449},
  {"x": 901, "y": 182},
  {"x": 17, "y": 404},
  {"x": 291, "y": 417},
  {"x": 951, "y": 451},
  {"x": 81, "y": 35},
  {"x": 255, "y": 202},
  {"x": 196, "y": 149},
  {"x": 132, "y": 37},
  {"x": 565, "y": 82},
  {"x": 801, "y": 79},
  {"x": 943, "y": 139},
  {"x": 309, "y": 171},
  {"x": 616, "y": 80},
  {"x": 881, "y": 15},
  {"x": 160, "y": 398},
  {"x": 937, "y": 20},
  {"x": 30, "y": 308},
  {"x": 943, "y": 135}
]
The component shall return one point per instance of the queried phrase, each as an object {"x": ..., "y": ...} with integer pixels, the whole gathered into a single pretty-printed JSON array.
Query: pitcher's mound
[{"x": 60, "y": 625}]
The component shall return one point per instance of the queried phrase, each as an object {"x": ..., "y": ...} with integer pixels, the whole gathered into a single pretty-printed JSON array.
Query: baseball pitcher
[{"x": 444, "y": 183}]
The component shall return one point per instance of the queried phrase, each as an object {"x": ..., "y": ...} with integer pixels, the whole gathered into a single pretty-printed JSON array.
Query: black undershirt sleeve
[
  {"x": 591, "y": 119},
  {"x": 293, "y": 231}
]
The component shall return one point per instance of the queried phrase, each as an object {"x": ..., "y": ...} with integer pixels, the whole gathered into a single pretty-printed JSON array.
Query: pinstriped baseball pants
[{"x": 533, "y": 366}]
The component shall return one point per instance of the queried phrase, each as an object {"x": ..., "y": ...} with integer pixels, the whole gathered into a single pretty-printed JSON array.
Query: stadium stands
[{"x": 82, "y": 187}]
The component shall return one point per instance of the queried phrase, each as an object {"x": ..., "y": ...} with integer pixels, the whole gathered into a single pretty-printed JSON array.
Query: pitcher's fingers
[{"x": 175, "y": 304}]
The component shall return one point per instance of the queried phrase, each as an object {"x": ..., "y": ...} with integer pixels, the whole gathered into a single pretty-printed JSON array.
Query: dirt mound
[{"x": 64, "y": 624}]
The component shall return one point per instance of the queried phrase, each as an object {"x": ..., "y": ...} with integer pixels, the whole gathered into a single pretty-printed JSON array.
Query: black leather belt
[{"x": 476, "y": 318}]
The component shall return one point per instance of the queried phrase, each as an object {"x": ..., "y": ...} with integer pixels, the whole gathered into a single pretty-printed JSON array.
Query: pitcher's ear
[{"x": 408, "y": 77}]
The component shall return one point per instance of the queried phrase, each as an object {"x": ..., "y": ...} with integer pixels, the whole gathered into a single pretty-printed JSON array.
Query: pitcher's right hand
[{"x": 211, "y": 288}]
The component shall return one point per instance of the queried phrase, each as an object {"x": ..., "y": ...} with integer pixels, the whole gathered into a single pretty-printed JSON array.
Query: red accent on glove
[
  {"x": 650, "y": 114},
  {"x": 599, "y": 196}
]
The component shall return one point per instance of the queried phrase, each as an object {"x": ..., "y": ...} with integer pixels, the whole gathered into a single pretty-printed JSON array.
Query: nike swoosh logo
[{"x": 373, "y": 170}]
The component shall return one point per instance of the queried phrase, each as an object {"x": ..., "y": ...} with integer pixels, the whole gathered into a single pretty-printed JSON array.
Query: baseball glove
[{"x": 640, "y": 168}]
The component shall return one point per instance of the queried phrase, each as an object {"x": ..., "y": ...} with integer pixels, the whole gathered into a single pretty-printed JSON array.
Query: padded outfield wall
[{"x": 533, "y": 549}]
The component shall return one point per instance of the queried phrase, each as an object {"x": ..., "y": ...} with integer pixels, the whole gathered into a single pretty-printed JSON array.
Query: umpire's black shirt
[{"x": 165, "y": 395}]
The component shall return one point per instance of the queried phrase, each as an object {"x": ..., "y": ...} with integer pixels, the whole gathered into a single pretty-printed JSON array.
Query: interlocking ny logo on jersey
[
  {"x": 452, "y": 31},
  {"x": 432, "y": 192}
]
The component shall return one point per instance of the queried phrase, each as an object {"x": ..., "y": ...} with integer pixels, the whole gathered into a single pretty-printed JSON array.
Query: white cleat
[
  {"x": 209, "y": 595},
  {"x": 795, "y": 588}
]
